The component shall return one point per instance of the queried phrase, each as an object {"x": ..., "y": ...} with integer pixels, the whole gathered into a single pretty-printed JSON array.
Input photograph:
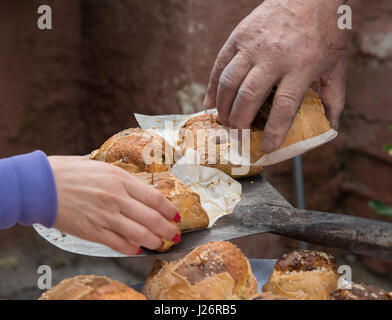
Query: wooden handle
[{"x": 363, "y": 236}]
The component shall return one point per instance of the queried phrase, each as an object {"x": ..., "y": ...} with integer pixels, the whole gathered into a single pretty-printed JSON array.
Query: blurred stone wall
[{"x": 68, "y": 89}]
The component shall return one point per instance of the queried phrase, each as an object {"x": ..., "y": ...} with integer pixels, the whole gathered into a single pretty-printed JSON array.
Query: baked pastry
[
  {"x": 309, "y": 121},
  {"x": 211, "y": 139},
  {"x": 268, "y": 296},
  {"x": 136, "y": 150},
  {"x": 212, "y": 271},
  {"x": 186, "y": 201},
  {"x": 304, "y": 275},
  {"x": 361, "y": 292},
  {"x": 205, "y": 134},
  {"x": 91, "y": 287}
]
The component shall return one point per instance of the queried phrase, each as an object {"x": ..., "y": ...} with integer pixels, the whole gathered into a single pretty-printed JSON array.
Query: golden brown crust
[
  {"x": 206, "y": 128},
  {"x": 268, "y": 296},
  {"x": 136, "y": 150},
  {"x": 310, "y": 120},
  {"x": 361, "y": 292},
  {"x": 91, "y": 287},
  {"x": 305, "y": 260},
  {"x": 186, "y": 201},
  {"x": 304, "y": 275},
  {"x": 216, "y": 270}
]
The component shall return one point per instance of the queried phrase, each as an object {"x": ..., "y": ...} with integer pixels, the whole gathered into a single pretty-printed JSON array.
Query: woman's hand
[
  {"x": 293, "y": 43},
  {"x": 103, "y": 203}
]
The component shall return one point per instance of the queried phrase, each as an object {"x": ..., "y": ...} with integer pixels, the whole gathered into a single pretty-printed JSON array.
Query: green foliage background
[{"x": 379, "y": 207}]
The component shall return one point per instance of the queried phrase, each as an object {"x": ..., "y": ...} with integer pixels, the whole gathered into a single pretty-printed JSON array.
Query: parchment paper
[
  {"x": 168, "y": 126},
  {"x": 219, "y": 193}
]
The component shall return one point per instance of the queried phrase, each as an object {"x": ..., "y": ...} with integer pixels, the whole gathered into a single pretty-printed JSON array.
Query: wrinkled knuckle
[
  {"x": 286, "y": 102},
  {"x": 247, "y": 55},
  {"x": 247, "y": 94},
  {"x": 240, "y": 33},
  {"x": 226, "y": 81},
  {"x": 219, "y": 65}
]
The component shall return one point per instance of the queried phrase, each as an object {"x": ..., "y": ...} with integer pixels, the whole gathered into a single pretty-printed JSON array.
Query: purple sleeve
[{"x": 27, "y": 191}]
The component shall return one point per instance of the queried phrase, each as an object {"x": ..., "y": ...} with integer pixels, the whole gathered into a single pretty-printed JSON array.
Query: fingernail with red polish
[
  {"x": 177, "y": 217},
  {"x": 176, "y": 238},
  {"x": 140, "y": 251}
]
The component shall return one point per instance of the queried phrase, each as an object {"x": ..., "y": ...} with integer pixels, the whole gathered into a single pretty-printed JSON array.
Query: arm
[
  {"x": 27, "y": 191},
  {"x": 92, "y": 200},
  {"x": 290, "y": 43}
]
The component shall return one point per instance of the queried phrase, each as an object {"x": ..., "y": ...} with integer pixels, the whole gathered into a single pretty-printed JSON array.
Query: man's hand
[
  {"x": 289, "y": 43},
  {"x": 103, "y": 203}
]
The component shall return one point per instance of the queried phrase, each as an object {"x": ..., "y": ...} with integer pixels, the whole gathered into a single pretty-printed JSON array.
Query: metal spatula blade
[
  {"x": 227, "y": 228},
  {"x": 73, "y": 244},
  {"x": 263, "y": 209},
  {"x": 223, "y": 230}
]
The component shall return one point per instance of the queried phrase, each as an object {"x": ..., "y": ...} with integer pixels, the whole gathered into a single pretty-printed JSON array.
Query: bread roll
[
  {"x": 213, "y": 271},
  {"x": 91, "y": 288},
  {"x": 186, "y": 201},
  {"x": 361, "y": 292},
  {"x": 205, "y": 134},
  {"x": 136, "y": 150},
  {"x": 310, "y": 120},
  {"x": 304, "y": 275}
]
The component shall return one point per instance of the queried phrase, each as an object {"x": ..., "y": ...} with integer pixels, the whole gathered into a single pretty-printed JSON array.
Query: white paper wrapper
[
  {"x": 159, "y": 124},
  {"x": 219, "y": 194},
  {"x": 298, "y": 148},
  {"x": 168, "y": 126}
]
